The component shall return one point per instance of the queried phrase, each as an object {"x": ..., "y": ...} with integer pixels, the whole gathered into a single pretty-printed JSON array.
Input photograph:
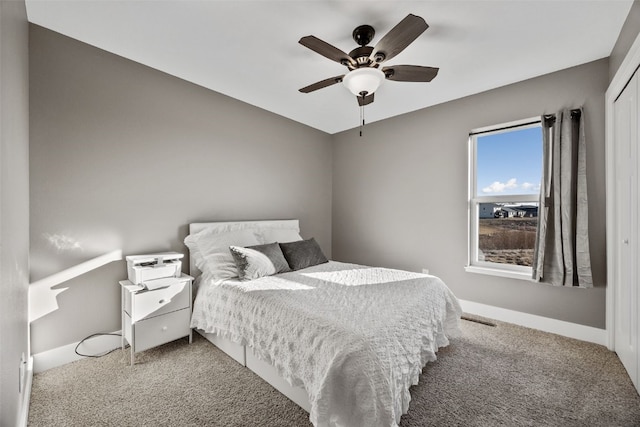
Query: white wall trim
[
  {"x": 500, "y": 272},
  {"x": 66, "y": 354},
  {"x": 629, "y": 65},
  {"x": 546, "y": 324},
  {"x": 23, "y": 411}
]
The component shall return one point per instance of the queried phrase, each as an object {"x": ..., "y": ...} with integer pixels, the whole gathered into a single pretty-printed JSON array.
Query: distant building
[
  {"x": 488, "y": 210},
  {"x": 500, "y": 210},
  {"x": 530, "y": 211},
  {"x": 511, "y": 212},
  {"x": 517, "y": 211}
]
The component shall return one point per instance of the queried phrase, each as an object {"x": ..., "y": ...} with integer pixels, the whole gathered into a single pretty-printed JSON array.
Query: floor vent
[{"x": 479, "y": 320}]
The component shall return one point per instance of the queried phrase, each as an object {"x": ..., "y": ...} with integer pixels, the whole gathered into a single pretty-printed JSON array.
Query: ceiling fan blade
[
  {"x": 410, "y": 73},
  {"x": 327, "y": 50},
  {"x": 321, "y": 84},
  {"x": 398, "y": 38},
  {"x": 366, "y": 100}
]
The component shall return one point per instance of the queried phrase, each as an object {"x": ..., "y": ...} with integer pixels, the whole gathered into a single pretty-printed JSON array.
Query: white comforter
[{"x": 355, "y": 337}]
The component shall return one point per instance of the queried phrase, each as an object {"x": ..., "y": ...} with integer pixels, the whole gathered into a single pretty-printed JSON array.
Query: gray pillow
[
  {"x": 303, "y": 253},
  {"x": 260, "y": 260}
]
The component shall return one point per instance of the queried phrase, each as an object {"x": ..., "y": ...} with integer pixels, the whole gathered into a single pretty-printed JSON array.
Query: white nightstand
[{"x": 154, "y": 317}]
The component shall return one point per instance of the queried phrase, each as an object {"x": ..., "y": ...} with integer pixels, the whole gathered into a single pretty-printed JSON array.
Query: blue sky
[{"x": 509, "y": 162}]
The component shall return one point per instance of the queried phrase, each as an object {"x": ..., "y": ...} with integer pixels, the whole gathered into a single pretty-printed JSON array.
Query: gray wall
[
  {"x": 14, "y": 202},
  {"x": 124, "y": 156},
  {"x": 400, "y": 191},
  {"x": 627, "y": 36}
]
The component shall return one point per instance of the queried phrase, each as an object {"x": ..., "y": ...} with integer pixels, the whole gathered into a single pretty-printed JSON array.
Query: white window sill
[{"x": 520, "y": 275}]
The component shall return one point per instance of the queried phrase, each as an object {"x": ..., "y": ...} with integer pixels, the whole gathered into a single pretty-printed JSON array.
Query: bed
[{"x": 343, "y": 341}]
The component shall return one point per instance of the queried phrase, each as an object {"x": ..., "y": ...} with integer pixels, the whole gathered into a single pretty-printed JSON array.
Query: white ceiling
[{"x": 249, "y": 49}]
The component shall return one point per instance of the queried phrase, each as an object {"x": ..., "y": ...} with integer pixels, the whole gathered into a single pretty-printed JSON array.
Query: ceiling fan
[{"x": 364, "y": 62}]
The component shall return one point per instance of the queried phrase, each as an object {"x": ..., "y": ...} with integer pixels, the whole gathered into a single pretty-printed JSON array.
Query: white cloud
[
  {"x": 527, "y": 186},
  {"x": 511, "y": 186},
  {"x": 530, "y": 188},
  {"x": 500, "y": 187}
]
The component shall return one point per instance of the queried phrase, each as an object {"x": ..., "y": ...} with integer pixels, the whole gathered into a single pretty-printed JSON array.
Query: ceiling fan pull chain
[{"x": 362, "y": 94}]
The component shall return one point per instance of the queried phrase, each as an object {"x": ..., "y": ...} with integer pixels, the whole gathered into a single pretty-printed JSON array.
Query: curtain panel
[{"x": 561, "y": 255}]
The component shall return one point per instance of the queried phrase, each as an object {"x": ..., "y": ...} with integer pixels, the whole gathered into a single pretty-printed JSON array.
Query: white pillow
[
  {"x": 280, "y": 235},
  {"x": 210, "y": 250}
]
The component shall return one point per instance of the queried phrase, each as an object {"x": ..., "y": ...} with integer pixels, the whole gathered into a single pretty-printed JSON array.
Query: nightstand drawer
[
  {"x": 147, "y": 304},
  {"x": 162, "y": 329}
]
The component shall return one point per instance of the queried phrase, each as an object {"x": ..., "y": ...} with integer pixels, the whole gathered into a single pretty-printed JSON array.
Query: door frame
[{"x": 629, "y": 65}]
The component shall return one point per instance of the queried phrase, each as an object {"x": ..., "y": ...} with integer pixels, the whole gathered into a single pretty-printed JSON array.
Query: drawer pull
[
  {"x": 162, "y": 301},
  {"x": 164, "y": 328}
]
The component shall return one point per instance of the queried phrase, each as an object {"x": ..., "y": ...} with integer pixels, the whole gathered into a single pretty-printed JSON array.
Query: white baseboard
[
  {"x": 23, "y": 411},
  {"x": 66, "y": 354},
  {"x": 546, "y": 324}
]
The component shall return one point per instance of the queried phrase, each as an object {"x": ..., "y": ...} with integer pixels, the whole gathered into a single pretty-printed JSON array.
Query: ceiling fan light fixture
[{"x": 364, "y": 79}]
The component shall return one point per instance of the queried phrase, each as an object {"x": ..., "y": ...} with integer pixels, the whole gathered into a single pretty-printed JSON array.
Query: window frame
[{"x": 474, "y": 200}]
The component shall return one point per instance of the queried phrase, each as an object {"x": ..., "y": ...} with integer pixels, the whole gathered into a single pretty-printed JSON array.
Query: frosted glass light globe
[{"x": 363, "y": 80}]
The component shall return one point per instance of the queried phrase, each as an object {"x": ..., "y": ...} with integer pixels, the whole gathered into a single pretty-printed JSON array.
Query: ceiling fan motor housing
[
  {"x": 363, "y": 36},
  {"x": 361, "y": 56}
]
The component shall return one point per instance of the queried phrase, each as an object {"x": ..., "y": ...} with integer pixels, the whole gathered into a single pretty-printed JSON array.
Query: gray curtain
[{"x": 561, "y": 254}]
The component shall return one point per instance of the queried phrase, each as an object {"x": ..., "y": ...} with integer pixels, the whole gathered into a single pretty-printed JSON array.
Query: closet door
[{"x": 626, "y": 219}]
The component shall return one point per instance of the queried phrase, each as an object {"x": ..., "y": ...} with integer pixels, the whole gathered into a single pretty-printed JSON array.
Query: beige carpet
[{"x": 489, "y": 376}]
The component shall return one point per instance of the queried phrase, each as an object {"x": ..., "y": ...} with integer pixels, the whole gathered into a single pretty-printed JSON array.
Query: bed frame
[{"x": 245, "y": 354}]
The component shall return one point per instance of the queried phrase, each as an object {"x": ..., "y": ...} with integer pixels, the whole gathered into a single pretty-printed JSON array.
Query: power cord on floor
[{"x": 97, "y": 355}]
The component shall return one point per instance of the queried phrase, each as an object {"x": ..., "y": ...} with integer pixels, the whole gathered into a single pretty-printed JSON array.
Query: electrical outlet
[
  {"x": 425, "y": 271},
  {"x": 22, "y": 372}
]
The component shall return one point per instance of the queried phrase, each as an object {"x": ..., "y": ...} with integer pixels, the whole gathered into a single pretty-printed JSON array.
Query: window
[{"x": 505, "y": 168}]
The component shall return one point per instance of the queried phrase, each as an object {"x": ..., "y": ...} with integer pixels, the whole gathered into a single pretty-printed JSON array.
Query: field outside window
[{"x": 505, "y": 165}]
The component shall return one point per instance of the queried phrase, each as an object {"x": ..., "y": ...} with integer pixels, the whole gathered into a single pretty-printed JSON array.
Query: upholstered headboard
[{"x": 199, "y": 226}]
